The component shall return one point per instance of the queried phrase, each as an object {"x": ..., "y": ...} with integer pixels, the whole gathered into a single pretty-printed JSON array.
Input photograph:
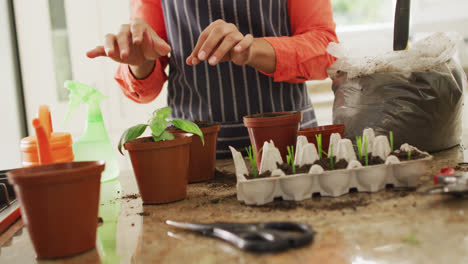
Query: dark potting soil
[
  {"x": 266, "y": 174},
  {"x": 288, "y": 170},
  {"x": 144, "y": 214},
  {"x": 372, "y": 160},
  {"x": 403, "y": 155},
  {"x": 131, "y": 196},
  {"x": 199, "y": 123},
  {"x": 325, "y": 163}
]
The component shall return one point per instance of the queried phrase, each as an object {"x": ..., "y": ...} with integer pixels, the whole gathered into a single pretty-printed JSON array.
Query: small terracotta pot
[
  {"x": 326, "y": 132},
  {"x": 202, "y": 163},
  {"x": 280, "y": 127},
  {"x": 161, "y": 168},
  {"x": 60, "y": 204}
]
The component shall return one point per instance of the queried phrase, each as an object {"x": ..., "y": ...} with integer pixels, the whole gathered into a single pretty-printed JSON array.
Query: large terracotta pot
[
  {"x": 202, "y": 163},
  {"x": 325, "y": 131},
  {"x": 161, "y": 168},
  {"x": 281, "y": 127},
  {"x": 59, "y": 203}
]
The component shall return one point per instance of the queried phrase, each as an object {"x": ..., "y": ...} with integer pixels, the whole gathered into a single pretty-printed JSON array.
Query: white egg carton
[{"x": 327, "y": 183}]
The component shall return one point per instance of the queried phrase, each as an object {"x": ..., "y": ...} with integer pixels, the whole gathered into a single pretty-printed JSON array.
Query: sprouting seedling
[
  {"x": 290, "y": 158},
  {"x": 409, "y": 155},
  {"x": 332, "y": 165},
  {"x": 391, "y": 139},
  {"x": 251, "y": 157},
  {"x": 319, "y": 144},
  {"x": 365, "y": 151},
  {"x": 359, "y": 146}
]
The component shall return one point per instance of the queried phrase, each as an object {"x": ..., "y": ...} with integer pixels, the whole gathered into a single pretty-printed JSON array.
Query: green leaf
[
  {"x": 188, "y": 126},
  {"x": 162, "y": 113},
  {"x": 163, "y": 136},
  {"x": 131, "y": 134},
  {"x": 411, "y": 239},
  {"x": 158, "y": 126}
]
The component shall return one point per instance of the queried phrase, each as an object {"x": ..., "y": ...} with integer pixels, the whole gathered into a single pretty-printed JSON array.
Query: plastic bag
[{"x": 417, "y": 94}]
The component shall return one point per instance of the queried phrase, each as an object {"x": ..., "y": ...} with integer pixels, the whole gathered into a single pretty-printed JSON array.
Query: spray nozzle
[{"x": 81, "y": 94}]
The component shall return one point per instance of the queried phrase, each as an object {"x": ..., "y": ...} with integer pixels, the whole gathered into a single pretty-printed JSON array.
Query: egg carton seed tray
[{"x": 331, "y": 183}]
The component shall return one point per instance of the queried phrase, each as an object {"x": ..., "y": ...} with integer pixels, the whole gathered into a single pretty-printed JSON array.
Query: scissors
[
  {"x": 255, "y": 237},
  {"x": 448, "y": 181}
]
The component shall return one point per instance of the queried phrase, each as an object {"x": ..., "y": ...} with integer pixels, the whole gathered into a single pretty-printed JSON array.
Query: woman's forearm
[
  {"x": 263, "y": 56},
  {"x": 144, "y": 70}
]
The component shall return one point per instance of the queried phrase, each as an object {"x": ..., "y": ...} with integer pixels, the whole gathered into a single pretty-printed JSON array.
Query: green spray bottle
[{"x": 94, "y": 144}]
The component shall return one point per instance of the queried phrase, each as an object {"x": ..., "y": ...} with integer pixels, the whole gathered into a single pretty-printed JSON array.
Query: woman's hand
[
  {"x": 222, "y": 41},
  {"x": 136, "y": 44}
]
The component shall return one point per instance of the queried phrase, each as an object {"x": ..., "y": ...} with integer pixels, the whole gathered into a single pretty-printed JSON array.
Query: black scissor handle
[
  {"x": 298, "y": 234},
  {"x": 268, "y": 237}
]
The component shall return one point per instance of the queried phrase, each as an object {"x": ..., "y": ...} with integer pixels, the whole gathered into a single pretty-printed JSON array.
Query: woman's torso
[{"x": 226, "y": 92}]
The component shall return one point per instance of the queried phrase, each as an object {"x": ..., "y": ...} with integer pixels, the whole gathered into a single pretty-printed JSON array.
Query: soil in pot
[
  {"x": 161, "y": 168},
  {"x": 326, "y": 165},
  {"x": 281, "y": 127},
  {"x": 266, "y": 174},
  {"x": 60, "y": 206},
  {"x": 288, "y": 170},
  {"x": 403, "y": 155},
  {"x": 202, "y": 157},
  {"x": 372, "y": 160}
]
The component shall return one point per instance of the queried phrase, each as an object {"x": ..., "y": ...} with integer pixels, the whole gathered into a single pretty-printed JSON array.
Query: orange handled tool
[{"x": 43, "y": 144}]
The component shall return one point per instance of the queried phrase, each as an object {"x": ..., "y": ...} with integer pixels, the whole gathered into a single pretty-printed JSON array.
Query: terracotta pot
[
  {"x": 280, "y": 127},
  {"x": 202, "y": 163},
  {"x": 161, "y": 168},
  {"x": 60, "y": 204},
  {"x": 326, "y": 132}
]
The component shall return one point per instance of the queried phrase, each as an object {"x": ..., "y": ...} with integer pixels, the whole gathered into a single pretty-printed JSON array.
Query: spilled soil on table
[
  {"x": 352, "y": 201},
  {"x": 222, "y": 179}
]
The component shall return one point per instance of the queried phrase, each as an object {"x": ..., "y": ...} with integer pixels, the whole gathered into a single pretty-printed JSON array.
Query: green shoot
[
  {"x": 359, "y": 146},
  {"x": 332, "y": 166},
  {"x": 319, "y": 144},
  {"x": 365, "y": 151},
  {"x": 290, "y": 158},
  {"x": 411, "y": 239},
  {"x": 409, "y": 155},
  {"x": 391, "y": 140},
  {"x": 251, "y": 157}
]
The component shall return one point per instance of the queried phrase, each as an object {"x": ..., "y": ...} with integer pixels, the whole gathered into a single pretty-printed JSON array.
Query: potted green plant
[
  {"x": 160, "y": 162},
  {"x": 281, "y": 127}
]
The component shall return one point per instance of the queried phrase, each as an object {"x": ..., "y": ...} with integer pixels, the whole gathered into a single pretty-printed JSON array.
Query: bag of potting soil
[{"x": 416, "y": 93}]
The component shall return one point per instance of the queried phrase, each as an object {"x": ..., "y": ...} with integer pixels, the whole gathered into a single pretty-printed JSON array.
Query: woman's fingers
[
  {"x": 204, "y": 36},
  {"x": 221, "y": 41},
  {"x": 109, "y": 44},
  {"x": 225, "y": 47},
  {"x": 138, "y": 28},
  {"x": 96, "y": 52},
  {"x": 214, "y": 39},
  {"x": 160, "y": 46},
  {"x": 244, "y": 44},
  {"x": 123, "y": 41}
]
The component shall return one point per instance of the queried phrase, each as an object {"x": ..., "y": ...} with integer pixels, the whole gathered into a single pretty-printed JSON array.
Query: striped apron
[{"x": 226, "y": 92}]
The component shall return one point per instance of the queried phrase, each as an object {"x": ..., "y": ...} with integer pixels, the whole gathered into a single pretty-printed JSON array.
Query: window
[
  {"x": 358, "y": 12},
  {"x": 62, "y": 60}
]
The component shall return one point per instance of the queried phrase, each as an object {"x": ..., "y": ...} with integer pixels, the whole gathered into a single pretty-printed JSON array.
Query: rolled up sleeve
[{"x": 303, "y": 56}]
